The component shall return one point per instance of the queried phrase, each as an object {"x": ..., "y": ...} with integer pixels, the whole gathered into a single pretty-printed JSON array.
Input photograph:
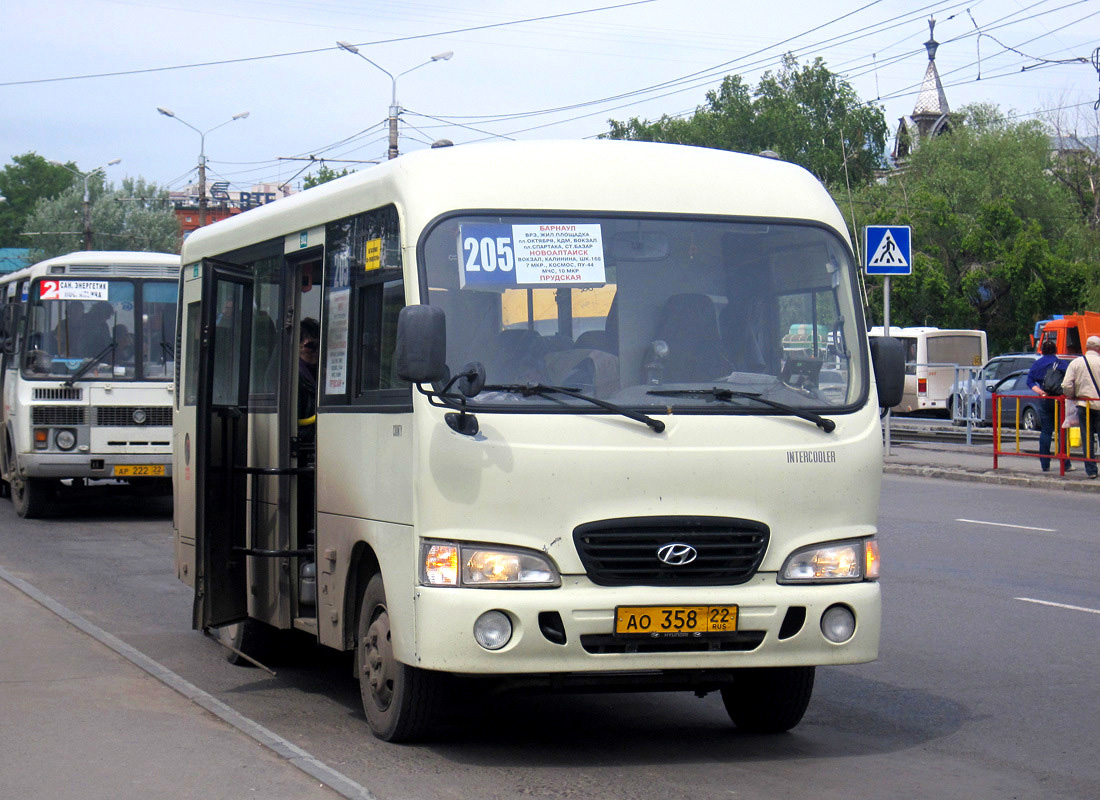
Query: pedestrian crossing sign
[{"x": 888, "y": 249}]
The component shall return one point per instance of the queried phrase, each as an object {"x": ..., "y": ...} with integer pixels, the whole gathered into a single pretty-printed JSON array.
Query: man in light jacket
[{"x": 1082, "y": 383}]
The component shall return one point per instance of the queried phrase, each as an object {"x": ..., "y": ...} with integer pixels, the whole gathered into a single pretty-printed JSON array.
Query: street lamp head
[
  {"x": 348, "y": 46},
  {"x": 114, "y": 161},
  {"x": 166, "y": 112},
  {"x": 242, "y": 115},
  {"x": 444, "y": 56}
]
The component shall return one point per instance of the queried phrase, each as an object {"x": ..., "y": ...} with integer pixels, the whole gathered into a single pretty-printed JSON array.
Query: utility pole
[
  {"x": 202, "y": 154},
  {"x": 87, "y": 202},
  {"x": 395, "y": 107}
]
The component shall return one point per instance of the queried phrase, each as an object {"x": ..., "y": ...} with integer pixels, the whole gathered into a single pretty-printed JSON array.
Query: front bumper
[
  {"x": 445, "y": 619},
  {"x": 83, "y": 465}
]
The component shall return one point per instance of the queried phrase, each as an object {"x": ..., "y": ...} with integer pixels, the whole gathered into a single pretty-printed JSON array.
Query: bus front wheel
[
  {"x": 400, "y": 701},
  {"x": 769, "y": 700},
  {"x": 31, "y": 496}
]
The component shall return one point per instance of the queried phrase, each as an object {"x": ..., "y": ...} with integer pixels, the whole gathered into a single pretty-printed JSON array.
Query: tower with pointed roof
[{"x": 931, "y": 115}]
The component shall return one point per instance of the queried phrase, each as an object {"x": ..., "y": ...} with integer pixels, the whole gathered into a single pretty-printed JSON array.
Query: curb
[{"x": 1008, "y": 479}]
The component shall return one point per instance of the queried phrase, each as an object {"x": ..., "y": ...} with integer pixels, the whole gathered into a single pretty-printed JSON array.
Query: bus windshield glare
[
  {"x": 649, "y": 311},
  {"x": 110, "y": 328}
]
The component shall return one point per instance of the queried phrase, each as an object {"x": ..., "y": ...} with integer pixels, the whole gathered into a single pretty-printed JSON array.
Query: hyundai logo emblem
[{"x": 676, "y": 554}]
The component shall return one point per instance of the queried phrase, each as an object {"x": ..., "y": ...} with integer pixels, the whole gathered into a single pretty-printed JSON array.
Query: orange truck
[{"x": 1069, "y": 332}]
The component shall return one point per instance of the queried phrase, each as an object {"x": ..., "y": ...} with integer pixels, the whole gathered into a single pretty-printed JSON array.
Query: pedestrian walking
[
  {"x": 1036, "y": 376},
  {"x": 1082, "y": 384}
]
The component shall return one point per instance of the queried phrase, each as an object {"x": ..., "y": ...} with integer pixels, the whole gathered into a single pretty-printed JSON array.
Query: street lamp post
[
  {"x": 86, "y": 176},
  {"x": 202, "y": 154},
  {"x": 395, "y": 109}
]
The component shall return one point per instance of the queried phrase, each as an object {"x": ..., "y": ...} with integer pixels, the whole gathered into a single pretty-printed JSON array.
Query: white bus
[
  {"x": 931, "y": 355},
  {"x": 86, "y": 374},
  {"x": 557, "y": 441}
]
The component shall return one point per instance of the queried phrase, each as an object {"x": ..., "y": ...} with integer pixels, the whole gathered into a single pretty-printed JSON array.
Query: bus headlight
[
  {"x": 836, "y": 562},
  {"x": 454, "y": 564},
  {"x": 65, "y": 439}
]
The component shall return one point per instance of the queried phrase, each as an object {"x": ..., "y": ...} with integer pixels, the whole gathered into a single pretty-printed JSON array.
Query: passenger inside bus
[
  {"x": 309, "y": 335},
  {"x": 94, "y": 332}
]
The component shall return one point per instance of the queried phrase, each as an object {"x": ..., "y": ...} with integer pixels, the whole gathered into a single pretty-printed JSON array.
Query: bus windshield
[
  {"x": 625, "y": 308},
  {"x": 99, "y": 329}
]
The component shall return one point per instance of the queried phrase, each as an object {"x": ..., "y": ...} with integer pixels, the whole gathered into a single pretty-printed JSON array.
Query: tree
[
  {"x": 323, "y": 175},
  {"x": 25, "y": 181},
  {"x": 998, "y": 242},
  {"x": 135, "y": 216},
  {"x": 806, "y": 114}
]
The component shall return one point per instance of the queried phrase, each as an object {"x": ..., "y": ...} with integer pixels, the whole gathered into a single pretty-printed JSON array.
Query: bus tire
[
  {"x": 400, "y": 702},
  {"x": 31, "y": 496},
  {"x": 769, "y": 700}
]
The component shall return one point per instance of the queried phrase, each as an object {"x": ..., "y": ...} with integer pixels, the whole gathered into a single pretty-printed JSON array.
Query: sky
[{"x": 81, "y": 80}]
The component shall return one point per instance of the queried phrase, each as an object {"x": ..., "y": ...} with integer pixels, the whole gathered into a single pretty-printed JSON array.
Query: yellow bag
[{"x": 1074, "y": 437}]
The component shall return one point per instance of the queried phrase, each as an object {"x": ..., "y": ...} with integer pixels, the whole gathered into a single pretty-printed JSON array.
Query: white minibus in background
[
  {"x": 551, "y": 437},
  {"x": 86, "y": 369},
  {"x": 931, "y": 355}
]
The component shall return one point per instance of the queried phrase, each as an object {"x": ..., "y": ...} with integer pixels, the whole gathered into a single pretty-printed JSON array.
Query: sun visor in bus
[{"x": 499, "y": 256}]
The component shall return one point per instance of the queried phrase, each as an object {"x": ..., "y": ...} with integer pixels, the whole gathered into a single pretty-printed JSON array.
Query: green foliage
[
  {"x": 136, "y": 216},
  {"x": 806, "y": 114},
  {"x": 998, "y": 243},
  {"x": 323, "y": 175},
  {"x": 26, "y": 180}
]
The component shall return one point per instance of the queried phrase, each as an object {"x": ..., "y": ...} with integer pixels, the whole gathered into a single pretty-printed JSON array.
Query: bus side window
[{"x": 377, "y": 308}]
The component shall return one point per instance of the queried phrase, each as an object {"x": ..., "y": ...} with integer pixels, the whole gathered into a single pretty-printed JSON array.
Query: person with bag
[
  {"x": 1045, "y": 379},
  {"x": 1082, "y": 385}
]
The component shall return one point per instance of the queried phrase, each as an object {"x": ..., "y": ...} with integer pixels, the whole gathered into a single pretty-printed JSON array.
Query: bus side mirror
[
  {"x": 888, "y": 359},
  {"x": 421, "y": 350},
  {"x": 9, "y": 324}
]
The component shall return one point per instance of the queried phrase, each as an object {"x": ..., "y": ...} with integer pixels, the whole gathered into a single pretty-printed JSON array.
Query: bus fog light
[
  {"x": 65, "y": 439},
  {"x": 838, "y": 624},
  {"x": 493, "y": 630}
]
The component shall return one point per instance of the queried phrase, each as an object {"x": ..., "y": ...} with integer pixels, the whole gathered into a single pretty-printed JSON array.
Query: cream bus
[
  {"x": 931, "y": 358},
  {"x": 86, "y": 373},
  {"x": 557, "y": 441}
]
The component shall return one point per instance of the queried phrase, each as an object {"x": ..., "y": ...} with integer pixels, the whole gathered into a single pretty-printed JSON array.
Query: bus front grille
[
  {"x": 59, "y": 415},
  {"x": 129, "y": 416},
  {"x": 707, "y": 551}
]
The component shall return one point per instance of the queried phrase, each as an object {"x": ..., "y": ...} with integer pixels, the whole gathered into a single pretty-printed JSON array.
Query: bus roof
[
  {"x": 597, "y": 176},
  {"x": 98, "y": 258},
  {"x": 922, "y": 330}
]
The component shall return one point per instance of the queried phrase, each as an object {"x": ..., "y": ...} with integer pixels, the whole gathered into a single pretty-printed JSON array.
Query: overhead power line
[{"x": 246, "y": 59}]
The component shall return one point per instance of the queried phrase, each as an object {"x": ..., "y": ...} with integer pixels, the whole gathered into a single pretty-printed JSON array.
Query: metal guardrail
[{"x": 1061, "y": 439}]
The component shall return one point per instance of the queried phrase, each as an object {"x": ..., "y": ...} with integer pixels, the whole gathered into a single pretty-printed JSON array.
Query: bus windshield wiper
[
  {"x": 528, "y": 389},
  {"x": 87, "y": 365},
  {"x": 726, "y": 395}
]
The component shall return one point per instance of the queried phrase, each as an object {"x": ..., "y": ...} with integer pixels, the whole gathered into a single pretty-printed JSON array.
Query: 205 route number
[{"x": 489, "y": 254}]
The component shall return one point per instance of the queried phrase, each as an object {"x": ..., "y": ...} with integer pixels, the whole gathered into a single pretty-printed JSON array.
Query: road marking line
[
  {"x": 1006, "y": 525},
  {"x": 312, "y": 766},
  {"x": 1059, "y": 605}
]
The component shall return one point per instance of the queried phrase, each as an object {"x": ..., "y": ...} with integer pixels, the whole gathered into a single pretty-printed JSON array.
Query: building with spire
[{"x": 931, "y": 115}]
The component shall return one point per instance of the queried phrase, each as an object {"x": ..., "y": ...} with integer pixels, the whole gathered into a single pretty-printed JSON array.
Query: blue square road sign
[{"x": 888, "y": 249}]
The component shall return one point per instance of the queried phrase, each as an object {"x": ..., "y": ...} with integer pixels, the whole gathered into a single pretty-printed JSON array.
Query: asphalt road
[{"x": 987, "y": 683}]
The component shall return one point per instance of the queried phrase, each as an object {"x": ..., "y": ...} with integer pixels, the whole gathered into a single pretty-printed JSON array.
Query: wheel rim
[
  {"x": 379, "y": 665},
  {"x": 1029, "y": 420}
]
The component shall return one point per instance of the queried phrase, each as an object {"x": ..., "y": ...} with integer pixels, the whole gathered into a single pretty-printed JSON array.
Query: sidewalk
[
  {"x": 975, "y": 463},
  {"x": 77, "y": 720}
]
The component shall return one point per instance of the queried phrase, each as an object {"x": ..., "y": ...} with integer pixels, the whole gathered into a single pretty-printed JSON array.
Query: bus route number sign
[
  {"x": 501, "y": 256},
  {"x": 73, "y": 290}
]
